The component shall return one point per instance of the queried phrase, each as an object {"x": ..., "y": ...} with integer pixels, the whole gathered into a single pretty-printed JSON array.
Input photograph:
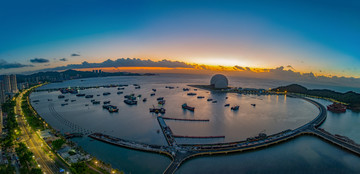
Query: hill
[{"x": 351, "y": 98}]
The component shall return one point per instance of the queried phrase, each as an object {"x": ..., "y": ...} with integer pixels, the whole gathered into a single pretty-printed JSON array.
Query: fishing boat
[
  {"x": 185, "y": 106},
  {"x": 235, "y": 108}
]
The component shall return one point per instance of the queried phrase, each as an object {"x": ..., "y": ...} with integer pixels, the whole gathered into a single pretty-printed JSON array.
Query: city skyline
[{"x": 319, "y": 37}]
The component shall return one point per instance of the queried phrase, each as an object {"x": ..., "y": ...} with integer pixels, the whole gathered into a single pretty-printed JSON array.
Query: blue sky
[{"x": 320, "y": 36}]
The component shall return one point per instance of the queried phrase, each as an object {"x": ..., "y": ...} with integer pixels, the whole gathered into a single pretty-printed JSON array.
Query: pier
[
  {"x": 184, "y": 119},
  {"x": 200, "y": 137}
]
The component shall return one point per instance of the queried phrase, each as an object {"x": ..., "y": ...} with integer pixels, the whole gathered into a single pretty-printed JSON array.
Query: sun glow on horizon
[{"x": 220, "y": 61}]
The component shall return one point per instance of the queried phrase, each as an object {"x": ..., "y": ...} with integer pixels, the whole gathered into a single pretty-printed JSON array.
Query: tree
[
  {"x": 7, "y": 169},
  {"x": 57, "y": 144},
  {"x": 80, "y": 167}
]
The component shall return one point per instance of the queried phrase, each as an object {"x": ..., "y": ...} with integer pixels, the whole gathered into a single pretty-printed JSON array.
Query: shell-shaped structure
[{"x": 219, "y": 81}]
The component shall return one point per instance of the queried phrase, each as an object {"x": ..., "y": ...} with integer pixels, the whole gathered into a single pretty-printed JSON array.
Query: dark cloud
[
  {"x": 290, "y": 67},
  {"x": 122, "y": 62},
  {"x": 39, "y": 60},
  {"x": 6, "y": 65},
  {"x": 239, "y": 68},
  {"x": 75, "y": 54},
  {"x": 63, "y": 59}
]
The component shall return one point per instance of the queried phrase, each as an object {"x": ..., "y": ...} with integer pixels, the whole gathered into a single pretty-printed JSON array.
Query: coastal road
[{"x": 36, "y": 144}]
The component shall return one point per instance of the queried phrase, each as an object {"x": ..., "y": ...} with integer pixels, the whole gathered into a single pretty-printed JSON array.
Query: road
[{"x": 36, "y": 144}]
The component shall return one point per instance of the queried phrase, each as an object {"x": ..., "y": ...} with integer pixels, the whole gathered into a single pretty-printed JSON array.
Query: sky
[{"x": 320, "y": 37}]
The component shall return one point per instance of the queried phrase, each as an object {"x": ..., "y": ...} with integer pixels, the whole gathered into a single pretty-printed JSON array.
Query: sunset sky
[{"x": 322, "y": 37}]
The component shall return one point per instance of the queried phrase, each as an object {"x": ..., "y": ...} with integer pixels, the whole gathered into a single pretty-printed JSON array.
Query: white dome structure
[{"x": 219, "y": 81}]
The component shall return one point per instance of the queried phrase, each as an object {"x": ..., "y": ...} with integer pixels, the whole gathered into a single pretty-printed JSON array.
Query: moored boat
[
  {"x": 235, "y": 108},
  {"x": 130, "y": 102},
  {"x": 106, "y": 93},
  {"x": 185, "y": 106}
]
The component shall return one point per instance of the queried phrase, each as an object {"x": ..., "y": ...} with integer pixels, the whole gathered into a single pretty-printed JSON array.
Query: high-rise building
[
  {"x": 1, "y": 121},
  {"x": 2, "y": 93},
  {"x": 7, "y": 84},
  {"x": 10, "y": 84},
  {"x": 13, "y": 83}
]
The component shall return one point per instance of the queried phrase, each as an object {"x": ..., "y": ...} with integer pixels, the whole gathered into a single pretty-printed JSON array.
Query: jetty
[{"x": 184, "y": 119}]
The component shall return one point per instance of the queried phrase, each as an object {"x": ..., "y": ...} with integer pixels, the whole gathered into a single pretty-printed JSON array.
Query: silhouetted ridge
[{"x": 350, "y": 97}]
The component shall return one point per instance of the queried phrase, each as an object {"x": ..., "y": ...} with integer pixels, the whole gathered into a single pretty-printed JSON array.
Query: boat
[
  {"x": 96, "y": 102},
  {"x": 226, "y": 97},
  {"x": 121, "y": 88},
  {"x": 130, "y": 102},
  {"x": 154, "y": 90},
  {"x": 226, "y": 105},
  {"x": 214, "y": 101},
  {"x": 92, "y": 100},
  {"x": 195, "y": 89},
  {"x": 106, "y": 106},
  {"x": 107, "y": 102},
  {"x": 161, "y": 102},
  {"x": 130, "y": 97},
  {"x": 144, "y": 100},
  {"x": 63, "y": 104},
  {"x": 106, "y": 93},
  {"x": 199, "y": 97},
  {"x": 185, "y": 106},
  {"x": 49, "y": 99},
  {"x": 86, "y": 104},
  {"x": 186, "y": 89},
  {"x": 137, "y": 87},
  {"x": 89, "y": 96},
  {"x": 191, "y": 93},
  {"x": 235, "y": 108},
  {"x": 209, "y": 99},
  {"x": 152, "y": 94},
  {"x": 253, "y": 105},
  {"x": 157, "y": 110},
  {"x": 120, "y": 92},
  {"x": 139, "y": 95},
  {"x": 66, "y": 100},
  {"x": 73, "y": 100},
  {"x": 337, "y": 108},
  {"x": 160, "y": 98},
  {"x": 80, "y": 95},
  {"x": 98, "y": 95},
  {"x": 35, "y": 101},
  {"x": 111, "y": 110},
  {"x": 61, "y": 96}
]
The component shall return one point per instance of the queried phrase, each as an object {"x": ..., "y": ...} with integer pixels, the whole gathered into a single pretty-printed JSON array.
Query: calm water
[{"x": 272, "y": 114}]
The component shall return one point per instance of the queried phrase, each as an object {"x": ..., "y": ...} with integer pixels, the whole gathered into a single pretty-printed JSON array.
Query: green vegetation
[
  {"x": 11, "y": 125},
  {"x": 351, "y": 98},
  {"x": 7, "y": 168},
  {"x": 81, "y": 167},
  {"x": 25, "y": 156},
  {"x": 56, "y": 145},
  {"x": 32, "y": 117}
]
